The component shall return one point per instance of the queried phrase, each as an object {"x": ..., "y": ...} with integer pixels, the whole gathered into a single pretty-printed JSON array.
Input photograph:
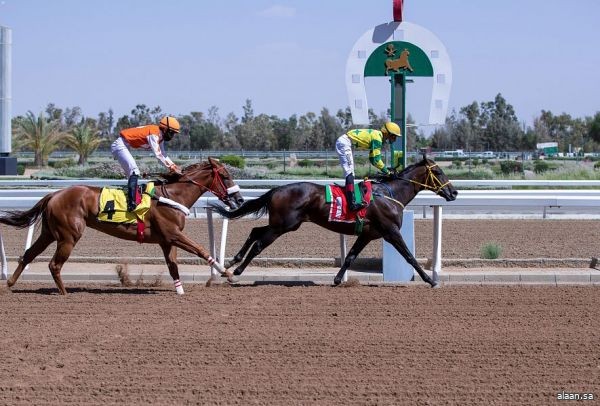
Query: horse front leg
[
  {"x": 360, "y": 243},
  {"x": 170, "y": 253},
  {"x": 180, "y": 240},
  {"x": 398, "y": 242},
  {"x": 255, "y": 234}
]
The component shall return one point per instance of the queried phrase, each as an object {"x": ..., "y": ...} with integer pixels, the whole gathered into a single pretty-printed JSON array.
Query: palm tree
[
  {"x": 38, "y": 134},
  {"x": 83, "y": 140}
]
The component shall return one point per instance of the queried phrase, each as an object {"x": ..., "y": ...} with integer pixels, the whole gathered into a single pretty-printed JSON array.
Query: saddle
[
  {"x": 112, "y": 205},
  {"x": 338, "y": 211}
]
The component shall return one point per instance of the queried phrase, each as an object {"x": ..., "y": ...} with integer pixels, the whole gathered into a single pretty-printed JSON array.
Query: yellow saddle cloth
[{"x": 113, "y": 205}]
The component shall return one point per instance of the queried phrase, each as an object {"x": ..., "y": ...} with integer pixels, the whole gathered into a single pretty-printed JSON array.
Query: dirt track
[
  {"x": 298, "y": 345},
  {"x": 519, "y": 239}
]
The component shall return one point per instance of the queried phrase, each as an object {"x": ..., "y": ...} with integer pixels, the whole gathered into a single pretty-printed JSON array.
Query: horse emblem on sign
[{"x": 399, "y": 63}]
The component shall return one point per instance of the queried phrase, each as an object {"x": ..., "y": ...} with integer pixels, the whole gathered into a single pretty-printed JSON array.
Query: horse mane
[
  {"x": 172, "y": 177},
  {"x": 380, "y": 177}
]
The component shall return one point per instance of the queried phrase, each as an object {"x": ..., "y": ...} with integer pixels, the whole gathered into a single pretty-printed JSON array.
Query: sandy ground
[
  {"x": 519, "y": 239},
  {"x": 311, "y": 345}
]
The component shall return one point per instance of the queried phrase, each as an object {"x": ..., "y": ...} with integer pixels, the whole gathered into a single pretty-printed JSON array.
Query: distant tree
[
  {"x": 140, "y": 115},
  {"x": 594, "y": 131},
  {"x": 38, "y": 135},
  {"x": 84, "y": 140},
  {"x": 106, "y": 122}
]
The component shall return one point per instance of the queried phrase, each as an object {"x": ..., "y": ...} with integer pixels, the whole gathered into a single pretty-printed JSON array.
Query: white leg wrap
[
  {"x": 178, "y": 286},
  {"x": 216, "y": 265}
]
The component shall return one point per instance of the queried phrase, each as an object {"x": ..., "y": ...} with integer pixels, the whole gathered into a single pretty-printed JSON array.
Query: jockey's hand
[{"x": 175, "y": 169}]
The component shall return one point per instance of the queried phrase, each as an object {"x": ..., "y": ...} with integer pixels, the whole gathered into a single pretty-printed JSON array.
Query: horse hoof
[
  {"x": 337, "y": 281},
  {"x": 233, "y": 279},
  {"x": 435, "y": 285}
]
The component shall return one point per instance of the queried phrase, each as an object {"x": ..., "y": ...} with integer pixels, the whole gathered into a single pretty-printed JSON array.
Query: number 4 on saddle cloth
[
  {"x": 113, "y": 207},
  {"x": 338, "y": 211}
]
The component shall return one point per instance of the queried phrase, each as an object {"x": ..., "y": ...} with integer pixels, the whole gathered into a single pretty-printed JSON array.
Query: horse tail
[
  {"x": 259, "y": 207},
  {"x": 25, "y": 218}
]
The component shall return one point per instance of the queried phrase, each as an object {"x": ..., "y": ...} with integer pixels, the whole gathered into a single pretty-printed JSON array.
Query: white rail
[{"x": 19, "y": 199}]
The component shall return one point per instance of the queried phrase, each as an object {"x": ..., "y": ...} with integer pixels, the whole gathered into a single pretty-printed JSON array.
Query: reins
[
  {"x": 222, "y": 192},
  {"x": 436, "y": 184},
  {"x": 431, "y": 183}
]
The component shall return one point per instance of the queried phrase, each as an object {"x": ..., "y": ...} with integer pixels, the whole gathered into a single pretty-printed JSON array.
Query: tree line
[{"x": 480, "y": 126}]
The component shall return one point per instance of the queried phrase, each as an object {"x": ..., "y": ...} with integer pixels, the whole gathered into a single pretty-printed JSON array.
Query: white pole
[
  {"x": 28, "y": 243},
  {"x": 223, "y": 241},
  {"x": 4, "y": 275},
  {"x": 343, "y": 253},
  {"x": 436, "y": 262},
  {"x": 211, "y": 240}
]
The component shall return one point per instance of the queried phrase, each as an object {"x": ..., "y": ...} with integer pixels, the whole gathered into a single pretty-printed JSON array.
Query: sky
[{"x": 289, "y": 56}]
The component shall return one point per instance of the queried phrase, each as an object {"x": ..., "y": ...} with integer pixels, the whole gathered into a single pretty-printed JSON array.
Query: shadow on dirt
[{"x": 95, "y": 291}]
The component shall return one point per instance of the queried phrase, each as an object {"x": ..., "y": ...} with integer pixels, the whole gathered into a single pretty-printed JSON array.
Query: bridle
[
  {"x": 431, "y": 181},
  {"x": 217, "y": 186}
]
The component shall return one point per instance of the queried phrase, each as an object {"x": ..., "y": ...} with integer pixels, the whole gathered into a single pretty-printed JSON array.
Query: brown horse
[
  {"x": 290, "y": 205},
  {"x": 65, "y": 214}
]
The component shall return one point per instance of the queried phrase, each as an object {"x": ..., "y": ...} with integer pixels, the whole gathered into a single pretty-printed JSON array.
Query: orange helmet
[{"x": 168, "y": 123}]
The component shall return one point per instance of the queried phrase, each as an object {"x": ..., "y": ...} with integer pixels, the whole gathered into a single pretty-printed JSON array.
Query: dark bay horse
[
  {"x": 290, "y": 205},
  {"x": 65, "y": 214}
]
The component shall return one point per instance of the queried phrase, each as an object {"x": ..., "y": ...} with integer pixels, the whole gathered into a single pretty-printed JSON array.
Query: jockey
[
  {"x": 145, "y": 137},
  {"x": 368, "y": 139}
]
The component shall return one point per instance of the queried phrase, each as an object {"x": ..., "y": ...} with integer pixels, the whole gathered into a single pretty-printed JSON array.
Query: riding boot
[
  {"x": 350, "y": 198},
  {"x": 131, "y": 191}
]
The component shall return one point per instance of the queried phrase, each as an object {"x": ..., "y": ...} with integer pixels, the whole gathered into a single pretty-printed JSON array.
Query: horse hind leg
[
  {"x": 268, "y": 235},
  {"x": 255, "y": 235},
  {"x": 63, "y": 251},
  {"x": 170, "y": 253},
  {"x": 360, "y": 243},
  {"x": 42, "y": 242}
]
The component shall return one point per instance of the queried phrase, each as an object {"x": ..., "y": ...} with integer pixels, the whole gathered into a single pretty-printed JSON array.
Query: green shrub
[
  {"x": 508, "y": 167},
  {"x": 597, "y": 166},
  {"x": 20, "y": 169},
  {"x": 540, "y": 166},
  {"x": 491, "y": 250},
  {"x": 234, "y": 160},
  {"x": 456, "y": 163},
  {"x": 305, "y": 163}
]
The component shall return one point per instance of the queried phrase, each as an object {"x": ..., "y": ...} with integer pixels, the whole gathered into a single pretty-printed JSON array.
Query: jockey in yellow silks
[{"x": 367, "y": 139}]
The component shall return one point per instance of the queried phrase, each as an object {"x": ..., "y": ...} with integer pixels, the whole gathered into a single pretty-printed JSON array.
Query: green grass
[{"x": 491, "y": 250}]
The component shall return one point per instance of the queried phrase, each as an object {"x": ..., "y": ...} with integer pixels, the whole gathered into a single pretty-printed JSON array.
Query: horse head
[
  {"x": 427, "y": 175},
  {"x": 211, "y": 176}
]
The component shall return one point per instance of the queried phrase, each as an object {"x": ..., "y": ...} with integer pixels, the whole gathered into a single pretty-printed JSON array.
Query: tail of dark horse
[
  {"x": 25, "y": 218},
  {"x": 259, "y": 207}
]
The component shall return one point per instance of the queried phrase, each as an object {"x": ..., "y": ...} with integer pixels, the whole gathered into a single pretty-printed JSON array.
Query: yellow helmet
[
  {"x": 168, "y": 123},
  {"x": 391, "y": 128}
]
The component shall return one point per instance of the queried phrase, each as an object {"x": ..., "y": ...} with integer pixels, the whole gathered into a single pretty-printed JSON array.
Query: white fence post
[
  {"x": 4, "y": 275},
  {"x": 436, "y": 261}
]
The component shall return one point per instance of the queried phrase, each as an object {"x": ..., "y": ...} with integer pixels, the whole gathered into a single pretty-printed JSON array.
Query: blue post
[{"x": 395, "y": 267}]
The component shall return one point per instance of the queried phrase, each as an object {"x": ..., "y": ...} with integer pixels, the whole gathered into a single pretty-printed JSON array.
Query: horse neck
[
  {"x": 404, "y": 189},
  {"x": 187, "y": 193}
]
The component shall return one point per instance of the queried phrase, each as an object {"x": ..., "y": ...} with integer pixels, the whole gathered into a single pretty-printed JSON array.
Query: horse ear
[
  {"x": 424, "y": 152},
  {"x": 213, "y": 161}
]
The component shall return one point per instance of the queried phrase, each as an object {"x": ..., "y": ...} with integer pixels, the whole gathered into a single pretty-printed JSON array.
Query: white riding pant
[
  {"x": 343, "y": 147},
  {"x": 121, "y": 153}
]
